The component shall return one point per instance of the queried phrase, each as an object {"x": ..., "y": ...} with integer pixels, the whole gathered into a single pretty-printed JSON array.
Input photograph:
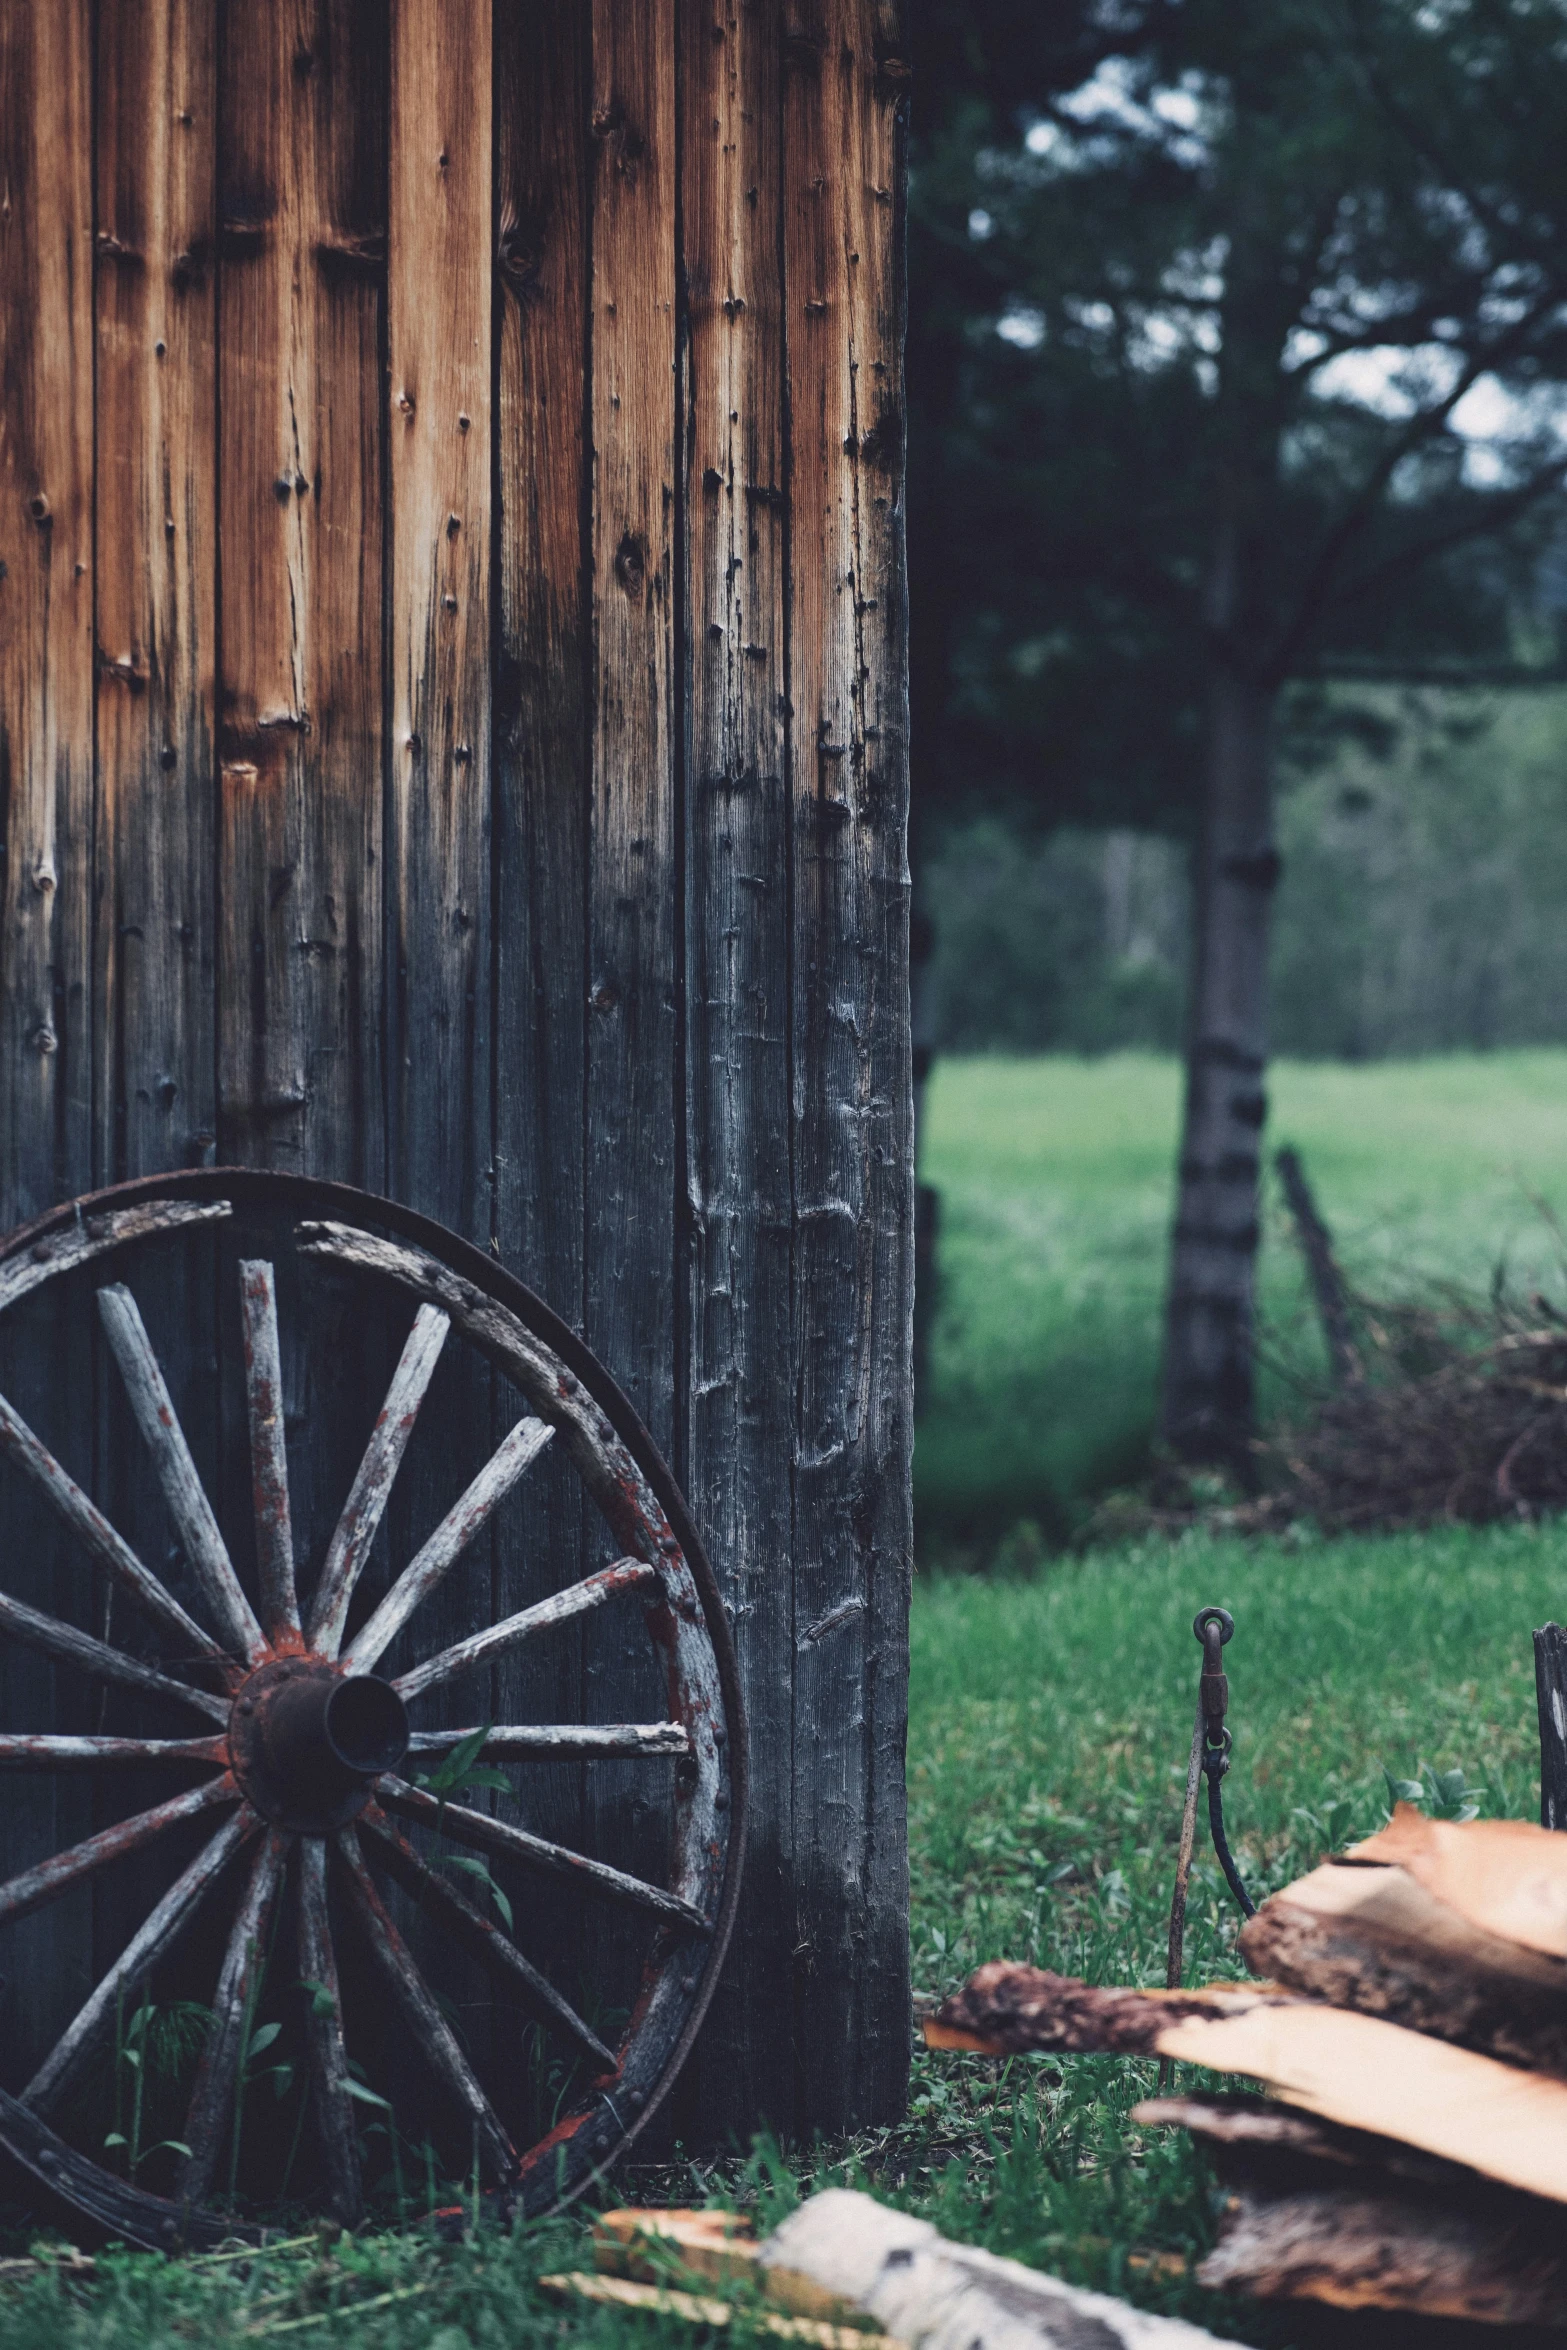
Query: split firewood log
[
  {"x": 1506, "y": 2124},
  {"x": 1005, "y": 2009},
  {"x": 942, "y": 2296},
  {"x": 1375, "y": 1939},
  {"x": 1361, "y": 2250},
  {"x": 1508, "y": 1877}
]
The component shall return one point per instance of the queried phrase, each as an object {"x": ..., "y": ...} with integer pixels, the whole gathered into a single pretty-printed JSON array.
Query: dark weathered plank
[
  {"x": 302, "y": 162},
  {"x": 851, "y": 1079},
  {"x": 46, "y": 746},
  {"x": 46, "y": 603},
  {"x": 633, "y": 912},
  {"x": 543, "y": 165},
  {"x": 439, "y": 298},
  {"x": 736, "y": 1456},
  {"x": 157, "y": 581}
]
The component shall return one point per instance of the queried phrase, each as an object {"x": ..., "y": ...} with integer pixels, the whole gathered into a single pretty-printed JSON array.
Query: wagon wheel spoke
[
  {"x": 69, "y": 1646},
  {"x": 324, "y": 2034},
  {"x": 435, "y": 2035},
  {"x": 183, "y": 1492},
  {"x": 233, "y": 2007},
  {"x": 591, "y": 1592},
  {"x": 35, "y": 1886},
  {"x": 362, "y": 1512},
  {"x": 467, "y": 1826},
  {"x": 49, "y": 1753},
  {"x": 141, "y": 1954},
  {"x": 463, "y": 1522},
  {"x": 98, "y": 1538},
  {"x": 515, "y": 1741},
  {"x": 478, "y": 1933},
  {"x": 268, "y": 1454}
]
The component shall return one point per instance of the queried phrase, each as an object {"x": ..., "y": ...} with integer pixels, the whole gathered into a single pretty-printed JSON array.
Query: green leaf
[
  {"x": 169, "y": 2146},
  {"x": 116, "y": 2138},
  {"x": 476, "y": 1868},
  {"x": 353, "y": 2088},
  {"x": 261, "y": 2041},
  {"x": 453, "y": 1772},
  {"x": 322, "y": 2001},
  {"x": 487, "y": 1776}
]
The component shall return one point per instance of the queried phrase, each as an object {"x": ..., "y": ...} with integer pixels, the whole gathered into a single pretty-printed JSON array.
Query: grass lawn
[
  {"x": 1049, "y": 1728},
  {"x": 1055, "y": 1180}
]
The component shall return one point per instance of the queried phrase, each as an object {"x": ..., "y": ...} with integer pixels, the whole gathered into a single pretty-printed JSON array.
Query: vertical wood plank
[
  {"x": 46, "y": 591},
  {"x": 303, "y": 161},
  {"x": 632, "y": 1042},
  {"x": 852, "y": 1105},
  {"x": 157, "y": 582},
  {"x": 439, "y": 426},
  {"x": 541, "y": 804},
  {"x": 46, "y": 835},
  {"x": 737, "y": 1456}
]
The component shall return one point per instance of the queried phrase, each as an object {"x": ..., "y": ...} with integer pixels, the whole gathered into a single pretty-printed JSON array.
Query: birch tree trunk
[{"x": 1207, "y": 1411}]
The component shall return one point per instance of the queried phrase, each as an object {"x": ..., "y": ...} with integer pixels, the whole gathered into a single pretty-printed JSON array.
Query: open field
[
  {"x": 1055, "y": 1180},
  {"x": 1050, "y": 1721}
]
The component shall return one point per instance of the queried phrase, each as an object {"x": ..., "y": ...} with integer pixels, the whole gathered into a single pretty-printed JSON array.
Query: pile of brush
[{"x": 1411, "y": 2035}]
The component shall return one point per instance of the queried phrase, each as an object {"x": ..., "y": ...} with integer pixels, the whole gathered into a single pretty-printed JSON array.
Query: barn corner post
[{"x": 844, "y": 107}]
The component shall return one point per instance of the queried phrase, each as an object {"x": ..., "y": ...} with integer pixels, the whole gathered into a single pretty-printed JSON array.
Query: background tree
[{"x": 1240, "y": 345}]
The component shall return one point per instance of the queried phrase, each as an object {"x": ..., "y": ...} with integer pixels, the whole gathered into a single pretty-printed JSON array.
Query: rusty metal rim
[{"x": 584, "y": 2156}]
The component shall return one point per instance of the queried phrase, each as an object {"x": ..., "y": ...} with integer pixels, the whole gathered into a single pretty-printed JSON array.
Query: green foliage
[
  {"x": 1184, "y": 273},
  {"x": 1055, "y": 1183}
]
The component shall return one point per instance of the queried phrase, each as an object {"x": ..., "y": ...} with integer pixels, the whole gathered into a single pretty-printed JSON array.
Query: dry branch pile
[{"x": 1412, "y": 2035}]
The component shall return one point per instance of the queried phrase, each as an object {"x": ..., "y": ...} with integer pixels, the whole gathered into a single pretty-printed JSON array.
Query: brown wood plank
[
  {"x": 843, "y": 92},
  {"x": 440, "y": 336},
  {"x": 633, "y": 915},
  {"x": 302, "y": 157},
  {"x": 46, "y": 590},
  {"x": 157, "y": 583},
  {"x": 541, "y": 817},
  {"x": 738, "y": 1440},
  {"x": 46, "y": 801}
]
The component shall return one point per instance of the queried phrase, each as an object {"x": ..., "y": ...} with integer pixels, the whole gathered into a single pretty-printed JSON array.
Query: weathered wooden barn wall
[{"x": 452, "y": 738}]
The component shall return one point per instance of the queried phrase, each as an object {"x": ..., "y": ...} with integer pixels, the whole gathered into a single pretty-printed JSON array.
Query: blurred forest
[{"x": 1419, "y": 908}]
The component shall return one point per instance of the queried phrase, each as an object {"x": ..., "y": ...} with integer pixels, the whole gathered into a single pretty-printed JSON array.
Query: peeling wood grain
[
  {"x": 439, "y": 265},
  {"x": 851, "y": 1105},
  {"x": 736, "y": 1457},
  {"x": 156, "y": 584},
  {"x": 303, "y": 157},
  {"x": 632, "y": 904}
]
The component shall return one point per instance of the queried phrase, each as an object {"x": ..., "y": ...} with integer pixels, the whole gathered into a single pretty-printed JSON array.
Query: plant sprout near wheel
[{"x": 332, "y": 1767}]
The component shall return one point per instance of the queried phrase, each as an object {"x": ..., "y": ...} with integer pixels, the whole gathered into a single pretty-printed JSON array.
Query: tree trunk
[{"x": 1209, "y": 1316}]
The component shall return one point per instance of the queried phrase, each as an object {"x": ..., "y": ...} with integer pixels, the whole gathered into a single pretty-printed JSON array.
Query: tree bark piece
[
  {"x": 942, "y": 2296},
  {"x": 1373, "y": 1939},
  {"x": 1507, "y": 1877},
  {"x": 1550, "y": 1683}
]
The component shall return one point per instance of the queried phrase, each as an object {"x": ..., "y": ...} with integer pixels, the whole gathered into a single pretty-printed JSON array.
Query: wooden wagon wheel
[{"x": 302, "y": 1779}]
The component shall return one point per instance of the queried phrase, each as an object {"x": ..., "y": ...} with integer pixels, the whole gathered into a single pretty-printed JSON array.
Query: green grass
[
  {"x": 1049, "y": 1726},
  {"x": 1055, "y": 1180}
]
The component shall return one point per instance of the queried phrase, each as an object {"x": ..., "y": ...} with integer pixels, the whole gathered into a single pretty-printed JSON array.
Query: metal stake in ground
[{"x": 1212, "y": 1626}]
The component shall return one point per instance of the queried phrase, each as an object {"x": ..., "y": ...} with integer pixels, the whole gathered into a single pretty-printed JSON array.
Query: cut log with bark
[
  {"x": 1375, "y": 1940},
  {"x": 1411, "y": 2152}
]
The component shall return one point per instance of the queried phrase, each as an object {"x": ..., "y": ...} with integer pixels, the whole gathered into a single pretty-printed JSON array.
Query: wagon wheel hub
[{"x": 307, "y": 1742}]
